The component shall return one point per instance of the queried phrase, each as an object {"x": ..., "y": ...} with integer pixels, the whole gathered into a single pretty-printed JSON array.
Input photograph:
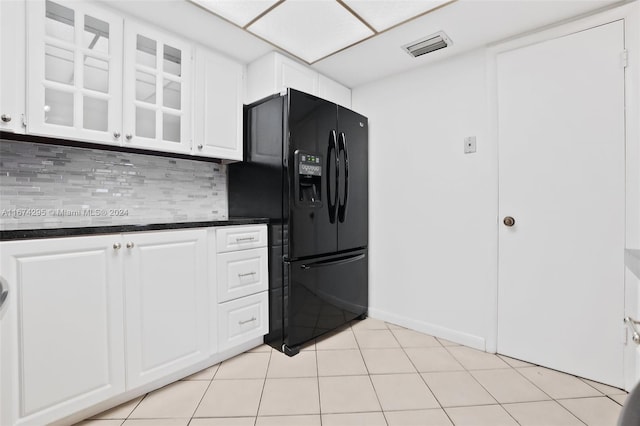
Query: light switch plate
[{"x": 469, "y": 144}]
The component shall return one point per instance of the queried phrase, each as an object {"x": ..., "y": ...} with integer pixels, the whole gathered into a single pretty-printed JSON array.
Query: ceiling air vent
[{"x": 428, "y": 44}]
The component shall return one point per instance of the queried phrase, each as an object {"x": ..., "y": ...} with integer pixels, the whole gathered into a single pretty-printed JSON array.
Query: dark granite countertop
[{"x": 27, "y": 234}]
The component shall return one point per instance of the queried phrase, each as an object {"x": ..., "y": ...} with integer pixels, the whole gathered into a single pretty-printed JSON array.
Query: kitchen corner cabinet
[
  {"x": 218, "y": 96},
  {"x": 12, "y": 66},
  {"x": 157, "y": 88},
  {"x": 166, "y": 307},
  {"x": 274, "y": 72},
  {"x": 62, "y": 328},
  {"x": 74, "y": 71}
]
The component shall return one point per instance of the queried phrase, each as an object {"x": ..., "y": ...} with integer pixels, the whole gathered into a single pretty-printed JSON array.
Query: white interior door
[{"x": 562, "y": 178}]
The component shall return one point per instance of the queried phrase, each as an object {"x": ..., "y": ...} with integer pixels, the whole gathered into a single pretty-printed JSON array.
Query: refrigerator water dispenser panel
[{"x": 308, "y": 179}]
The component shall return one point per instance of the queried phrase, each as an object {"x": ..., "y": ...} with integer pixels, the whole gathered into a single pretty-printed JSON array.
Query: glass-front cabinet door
[
  {"x": 74, "y": 83},
  {"x": 157, "y": 71}
]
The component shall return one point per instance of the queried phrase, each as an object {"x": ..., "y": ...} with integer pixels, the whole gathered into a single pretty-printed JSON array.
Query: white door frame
[{"x": 631, "y": 14}]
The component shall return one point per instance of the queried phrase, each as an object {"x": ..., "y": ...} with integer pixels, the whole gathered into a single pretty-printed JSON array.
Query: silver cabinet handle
[
  {"x": 245, "y": 239},
  {"x": 117, "y": 246},
  {"x": 130, "y": 244},
  {"x": 116, "y": 135},
  {"x": 5, "y": 117},
  {"x": 635, "y": 335},
  {"x": 4, "y": 291},
  {"x": 128, "y": 136},
  {"x": 247, "y": 321},
  {"x": 200, "y": 146},
  {"x": 246, "y": 274}
]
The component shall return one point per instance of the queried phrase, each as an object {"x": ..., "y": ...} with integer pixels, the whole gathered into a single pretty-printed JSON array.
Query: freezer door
[
  {"x": 311, "y": 171},
  {"x": 353, "y": 193},
  {"x": 324, "y": 294}
]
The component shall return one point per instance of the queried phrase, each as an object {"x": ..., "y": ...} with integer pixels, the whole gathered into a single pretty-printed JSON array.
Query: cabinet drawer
[
  {"x": 241, "y": 273},
  {"x": 232, "y": 238},
  {"x": 243, "y": 319}
]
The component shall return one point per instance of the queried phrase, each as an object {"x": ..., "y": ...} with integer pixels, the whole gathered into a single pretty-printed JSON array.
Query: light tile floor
[{"x": 373, "y": 373}]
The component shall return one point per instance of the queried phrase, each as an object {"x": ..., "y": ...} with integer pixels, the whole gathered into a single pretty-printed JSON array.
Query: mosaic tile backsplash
[{"x": 48, "y": 186}]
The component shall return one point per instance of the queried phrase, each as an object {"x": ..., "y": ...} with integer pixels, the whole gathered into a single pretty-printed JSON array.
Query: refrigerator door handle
[
  {"x": 342, "y": 146},
  {"x": 332, "y": 200},
  {"x": 333, "y": 262}
]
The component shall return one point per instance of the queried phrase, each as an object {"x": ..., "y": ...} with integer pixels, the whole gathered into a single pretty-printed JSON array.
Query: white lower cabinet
[
  {"x": 242, "y": 319},
  {"x": 241, "y": 273},
  {"x": 90, "y": 318},
  {"x": 61, "y": 329},
  {"x": 242, "y": 282},
  {"x": 166, "y": 307}
]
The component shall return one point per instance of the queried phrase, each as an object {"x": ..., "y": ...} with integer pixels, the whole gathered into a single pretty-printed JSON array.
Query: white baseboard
[{"x": 455, "y": 336}]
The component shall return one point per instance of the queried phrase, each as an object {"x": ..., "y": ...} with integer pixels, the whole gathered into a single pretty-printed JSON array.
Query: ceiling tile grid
[{"x": 316, "y": 29}]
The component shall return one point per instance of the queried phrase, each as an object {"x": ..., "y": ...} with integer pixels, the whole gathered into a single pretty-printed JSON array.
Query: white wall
[{"x": 433, "y": 209}]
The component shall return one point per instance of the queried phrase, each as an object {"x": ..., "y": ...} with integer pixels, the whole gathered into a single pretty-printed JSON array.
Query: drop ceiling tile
[
  {"x": 310, "y": 29},
  {"x": 383, "y": 14},
  {"x": 240, "y": 12}
]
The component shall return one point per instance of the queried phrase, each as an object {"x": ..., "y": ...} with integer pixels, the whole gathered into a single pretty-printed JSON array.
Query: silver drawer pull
[
  {"x": 246, "y": 275},
  {"x": 247, "y": 321},
  {"x": 245, "y": 239}
]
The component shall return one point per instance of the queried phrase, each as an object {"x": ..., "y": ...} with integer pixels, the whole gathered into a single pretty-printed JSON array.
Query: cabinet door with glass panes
[
  {"x": 157, "y": 81},
  {"x": 74, "y": 83}
]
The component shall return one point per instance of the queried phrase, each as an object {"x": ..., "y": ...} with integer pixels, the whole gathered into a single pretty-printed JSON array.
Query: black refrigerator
[{"x": 306, "y": 169}]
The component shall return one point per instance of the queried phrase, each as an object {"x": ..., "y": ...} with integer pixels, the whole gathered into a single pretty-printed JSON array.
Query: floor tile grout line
[
  {"x": 422, "y": 377},
  {"x": 315, "y": 347},
  {"x": 581, "y": 379},
  {"x": 609, "y": 396},
  {"x": 264, "y": 385},
  {"x": 205, "y": 391},
  {"x": 516, "y": 369},
  {"x": 134, "y": 408},
  {"x": 542, "y": 390},
  {"x": 126, "y": 417},
  {"x": 469, "y": 371},
  {"x": 552, "y": 400},
  {"x": 375, "y": 392},
  {"x": 584, "y": 380},
  {"x": 586, "y": 397}
]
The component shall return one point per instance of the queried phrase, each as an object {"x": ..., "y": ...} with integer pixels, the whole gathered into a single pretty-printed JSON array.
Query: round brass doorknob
[{"x": 509, "y": 221}]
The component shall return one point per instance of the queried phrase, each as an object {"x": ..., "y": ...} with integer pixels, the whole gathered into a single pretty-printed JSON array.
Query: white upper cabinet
[
  {"x": 12, "y": 65},
  {"x": 333, "y": 91},
  {"x": 297, "y": 76},
  {"x": 274, "y": 72},
  {"x": 218, "y": 94},
  {"x": 157, "y": 88},
  {"x": 94, "y": 75},
  {"x": 74, "y": 70}
]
